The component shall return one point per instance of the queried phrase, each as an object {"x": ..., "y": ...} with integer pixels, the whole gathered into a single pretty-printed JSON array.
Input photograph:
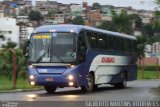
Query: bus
[{"x": 80, "y": 56}]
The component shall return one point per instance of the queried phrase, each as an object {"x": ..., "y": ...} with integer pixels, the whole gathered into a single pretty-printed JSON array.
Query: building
[
  {"x": 146, "y": 16},
  {"x": 148, "y": 50},
  {"x": 156, "y": 48},
  {"x": 94, "y": 17},
  {"x": 59, "y": 19},
  {"x": 76, "y": 10},
  {"x": 106, "y": 12},
  {"x": 45, "y": 6},
  {"x": 9, "y": 30}
]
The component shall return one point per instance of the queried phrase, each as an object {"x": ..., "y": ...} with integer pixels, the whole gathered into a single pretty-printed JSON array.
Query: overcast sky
[{"x": 136, "y": 4}]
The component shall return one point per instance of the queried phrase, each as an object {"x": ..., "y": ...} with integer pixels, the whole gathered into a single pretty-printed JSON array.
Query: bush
[{"x": 148, "y": 68}]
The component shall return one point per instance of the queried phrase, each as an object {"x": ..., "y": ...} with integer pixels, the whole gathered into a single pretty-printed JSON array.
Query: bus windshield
[{"x": 53, "y": 47}]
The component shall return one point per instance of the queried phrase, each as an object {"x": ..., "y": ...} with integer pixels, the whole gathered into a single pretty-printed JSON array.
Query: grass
[
  {"x": 7, "y": 84},
  {"x": 148, "y": 74}
]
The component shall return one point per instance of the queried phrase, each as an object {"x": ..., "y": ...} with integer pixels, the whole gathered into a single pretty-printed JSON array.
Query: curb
[{"x": 21, "y": 90}]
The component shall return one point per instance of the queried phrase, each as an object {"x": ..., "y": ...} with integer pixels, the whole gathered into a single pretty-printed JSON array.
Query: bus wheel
[
  {"x": 50, "y": 89},
  {"x": 122, "y": 84},
  {"x": 90, "y": 84}
]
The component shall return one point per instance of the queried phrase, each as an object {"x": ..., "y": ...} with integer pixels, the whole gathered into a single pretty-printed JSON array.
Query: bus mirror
[
  {"x": 26, "y": 48},
  {"x": 83, "y": 51}
]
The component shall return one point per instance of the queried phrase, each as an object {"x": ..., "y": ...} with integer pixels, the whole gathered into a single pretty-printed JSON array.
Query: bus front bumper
[{"x": 53, "y": 80}]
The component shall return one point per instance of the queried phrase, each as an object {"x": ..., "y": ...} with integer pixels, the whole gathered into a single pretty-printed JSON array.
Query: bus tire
[
  {"x": 50, "y": 89},
  {"x": 122, "y": 84},
  {"x": 90, "y": 86}
]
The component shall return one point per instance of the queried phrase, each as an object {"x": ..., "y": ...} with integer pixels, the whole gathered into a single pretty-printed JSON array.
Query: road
[{"x": 135, "y": 91}]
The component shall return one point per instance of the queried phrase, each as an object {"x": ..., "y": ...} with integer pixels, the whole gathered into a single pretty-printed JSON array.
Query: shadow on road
[{"x": 79, "y": 92}]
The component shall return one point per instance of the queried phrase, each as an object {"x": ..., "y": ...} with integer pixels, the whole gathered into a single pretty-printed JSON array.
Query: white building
[
  {"x": 9, "y": 30},
  {"x": 76, "y": 10},
  {"x": 58, "y": 19},
  {"x": 148, "y": 50},
  {"x": 156, "y": 48},
  {"x": 137, "y": 33}
]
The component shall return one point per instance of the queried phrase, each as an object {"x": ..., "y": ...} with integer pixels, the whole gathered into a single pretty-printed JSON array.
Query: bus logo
[
  {"x": 43, "y": 71},
  {"x": 108, "y": 60}
]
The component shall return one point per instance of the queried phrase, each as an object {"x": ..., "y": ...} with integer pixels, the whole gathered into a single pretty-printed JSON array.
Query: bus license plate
[{"x": 49, "y": 79}]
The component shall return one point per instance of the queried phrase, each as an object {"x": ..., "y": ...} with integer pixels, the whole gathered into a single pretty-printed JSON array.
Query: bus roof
[{"x": 77, "y": 28}]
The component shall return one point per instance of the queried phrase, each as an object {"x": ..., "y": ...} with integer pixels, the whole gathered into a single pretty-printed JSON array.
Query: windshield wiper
[{"x": 42, "y": 56}]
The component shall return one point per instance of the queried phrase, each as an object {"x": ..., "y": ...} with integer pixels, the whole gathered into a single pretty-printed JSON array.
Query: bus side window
[
  {"x": 129, "y": 46},
  {"x": 132, "y": 45},
  {"x": 117, "y": 44},
  {"x": 109, "y": 43},
  {"x": 82, "y": 48},
  {"x": 92, "y": 39},
  {"x": 112, "y": 41},
  {"x": 126, "y": 45},
  {"x": 101, "y": 41},
  {"x": 121, "y": 44}
]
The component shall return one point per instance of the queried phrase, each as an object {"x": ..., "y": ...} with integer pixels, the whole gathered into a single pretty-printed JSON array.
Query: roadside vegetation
[
  {"x": 6, "y": 68},
  {"x": 147, "y": 75}
]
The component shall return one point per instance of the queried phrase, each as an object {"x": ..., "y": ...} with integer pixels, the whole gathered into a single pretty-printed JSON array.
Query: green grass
[
  {"x": 148, "y": 74},
  {"x": 7, "y": 84}
]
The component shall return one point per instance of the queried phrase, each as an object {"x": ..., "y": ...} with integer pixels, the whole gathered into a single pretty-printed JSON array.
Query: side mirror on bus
[
  {"x": 82, "y": 54},
  {"x": 26, "y": 48},
  {"x": 83, "y": 51}
]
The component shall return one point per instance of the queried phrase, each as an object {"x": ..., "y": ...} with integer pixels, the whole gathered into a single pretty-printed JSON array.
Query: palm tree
[
  {"x": 141, "y": 42},
  {"x": 122, "y": 21}
]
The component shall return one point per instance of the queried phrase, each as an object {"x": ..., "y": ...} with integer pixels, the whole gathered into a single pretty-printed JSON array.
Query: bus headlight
[
  {"x": 70, "y": 77},
  {"x": 71, "y": 83},
  {"x": 31, "y": 77},
  {"x": 31, "y": 66},
  {"x": 72, "y": 66},
  {"x": 32, "y": 83}
]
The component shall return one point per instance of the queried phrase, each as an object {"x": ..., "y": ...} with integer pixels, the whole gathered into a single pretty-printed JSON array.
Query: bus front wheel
[
  {"x": 89, "y": 87},
  {"x": 50, "y": 89}
]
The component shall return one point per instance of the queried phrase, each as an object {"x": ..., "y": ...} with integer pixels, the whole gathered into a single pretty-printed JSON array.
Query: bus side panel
[{"x": 108, "y": 65}]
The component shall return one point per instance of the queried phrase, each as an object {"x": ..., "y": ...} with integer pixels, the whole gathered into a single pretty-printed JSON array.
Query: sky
[{"x": 136, "y": 4}]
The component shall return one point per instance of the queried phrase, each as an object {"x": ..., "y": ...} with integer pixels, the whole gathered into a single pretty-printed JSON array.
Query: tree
[
  {"x": 141, "y": 43},
  {"x": 35, "y": 16},
  {"x": 96, "y": 5},
  {"x": 6, "y": 63},
  {"x": 107, "y": 25},
  {"x": 9, "y": 44},
  {"x": 78, "y": 20},
  {"x": 123, "y": 22},
  {"x": 148, "y": 32},
  {"x": 51, "y": 13}
]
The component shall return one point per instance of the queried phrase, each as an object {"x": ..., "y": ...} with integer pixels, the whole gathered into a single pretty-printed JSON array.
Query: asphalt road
[{"x": 135, "y": 91}]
